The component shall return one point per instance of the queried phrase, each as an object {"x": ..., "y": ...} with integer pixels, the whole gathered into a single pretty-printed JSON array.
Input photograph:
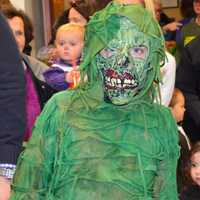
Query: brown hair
[
  {"x": 11, "y": 12},
  {"x": 88, "y": 7},
  {"x": 195, "y": 148},
  {"x": 4, "y": 4}
]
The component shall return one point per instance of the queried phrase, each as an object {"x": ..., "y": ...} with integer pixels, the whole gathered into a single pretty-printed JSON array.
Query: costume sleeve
[
  {"x": 168, "y": 73},
  {"x": 34, "y": 170},
  {"x": 12, "y": 97},
  {"x": 187, "y": 81},
  {"x": 36, "y": 66},
  {"x": 165, "y": 184},
  {"x": 55, "y": 77}
]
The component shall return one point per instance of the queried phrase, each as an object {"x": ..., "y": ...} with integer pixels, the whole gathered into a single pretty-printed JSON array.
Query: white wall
[{"x": 20, "y": 4}]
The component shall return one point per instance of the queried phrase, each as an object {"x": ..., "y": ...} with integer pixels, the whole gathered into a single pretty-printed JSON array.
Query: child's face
[
  {"x": 179, "y": 109},
  {"x": 69, "y": 45},
  {"x": 195, "y": 168}
]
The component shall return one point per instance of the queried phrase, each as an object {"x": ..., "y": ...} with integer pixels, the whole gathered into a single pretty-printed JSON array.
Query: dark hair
[
  {"x": 62, "y": 19},
  {"x": 88, "y": 7},
  {"x": 195, "y": 149},
  {"x": 85, "y": 7},
  {"x": 28, "y": 26},
  {"x": 186, "y": 8},
  {"x": 4, "y": 4}
]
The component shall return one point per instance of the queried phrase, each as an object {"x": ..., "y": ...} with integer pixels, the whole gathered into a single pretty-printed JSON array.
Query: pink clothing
[{"x": 32, "y": 105}]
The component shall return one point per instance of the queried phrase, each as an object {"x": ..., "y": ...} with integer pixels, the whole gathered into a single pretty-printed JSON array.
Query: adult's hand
[
  {"x": 173, "y": 26},
  {"x": 4, "y": 188}
]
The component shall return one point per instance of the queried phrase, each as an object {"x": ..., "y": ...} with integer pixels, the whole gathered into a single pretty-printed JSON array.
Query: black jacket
[
  {"x": 188, "y": 80},
  {"x": 191, "y": 192},
  {"x": 12, "y": 96},
  {"x": 44, "y": 91}
]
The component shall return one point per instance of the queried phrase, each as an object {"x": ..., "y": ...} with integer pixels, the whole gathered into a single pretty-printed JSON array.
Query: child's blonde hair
[{"x": 71, "y": 27}]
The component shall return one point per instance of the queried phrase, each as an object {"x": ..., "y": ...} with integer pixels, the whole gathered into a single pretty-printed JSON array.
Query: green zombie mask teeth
[
  {"x": 113, "y": 80},
  {"x": 124, "y": 63}
]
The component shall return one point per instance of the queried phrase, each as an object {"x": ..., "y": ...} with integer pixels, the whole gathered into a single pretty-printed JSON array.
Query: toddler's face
[
  {"x": 179, "y": 109},
  {"x": 69, "y": 45},
  {"x": 195, "y": 168}
]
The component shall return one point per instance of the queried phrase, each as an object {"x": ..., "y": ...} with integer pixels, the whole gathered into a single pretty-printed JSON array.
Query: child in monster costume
[{"x": 106, "y": 139}]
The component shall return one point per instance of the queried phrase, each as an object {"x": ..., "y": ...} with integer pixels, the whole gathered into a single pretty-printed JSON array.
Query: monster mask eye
[
  {"x": 106, "y": 53},
  {"x": 139, "y": 52}
]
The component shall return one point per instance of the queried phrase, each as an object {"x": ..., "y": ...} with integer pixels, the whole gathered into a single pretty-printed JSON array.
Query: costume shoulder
[
  {"x": 167, "y": 125},
  {"x": 36, "y": 162},
  {"x": 165, "y": 113}
]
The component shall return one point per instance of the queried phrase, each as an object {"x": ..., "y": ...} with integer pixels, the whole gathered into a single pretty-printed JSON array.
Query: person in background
[
  {"x": 82, "y": 10},
  {"x": 79, "y": 12},
  {"x": 177, "y": 106},
  {"x": 12, "y": 107},
  {"x": 189, "y": 31},
  {"x": 169, "y": 26},
  {"x": 37, "y": 91},
  {"x": 24, "y": 38},
  {"x": 187, "y": 13},
  {"x": 187, "y": 80},
  {"x": 69, "y": 42},
  {"x": 4, "y": 4},
  {"x": 192, "y": 190}
]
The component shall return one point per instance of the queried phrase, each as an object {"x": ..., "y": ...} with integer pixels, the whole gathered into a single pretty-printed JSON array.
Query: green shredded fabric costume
[{"x": 84, "y": 147}]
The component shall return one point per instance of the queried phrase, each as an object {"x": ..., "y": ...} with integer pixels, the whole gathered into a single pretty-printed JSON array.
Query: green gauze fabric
[
  {"x": 84, "y": 148},
  {"x": 103, "y": 27}
]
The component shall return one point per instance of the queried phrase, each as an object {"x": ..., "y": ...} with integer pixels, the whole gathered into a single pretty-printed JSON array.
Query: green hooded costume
[{"x": 106, "y": 140}]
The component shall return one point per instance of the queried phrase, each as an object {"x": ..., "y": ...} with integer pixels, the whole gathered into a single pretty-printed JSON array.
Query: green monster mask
[
  {"x": 124, "y": 63},
  {"x": 123, "y": 50}
]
